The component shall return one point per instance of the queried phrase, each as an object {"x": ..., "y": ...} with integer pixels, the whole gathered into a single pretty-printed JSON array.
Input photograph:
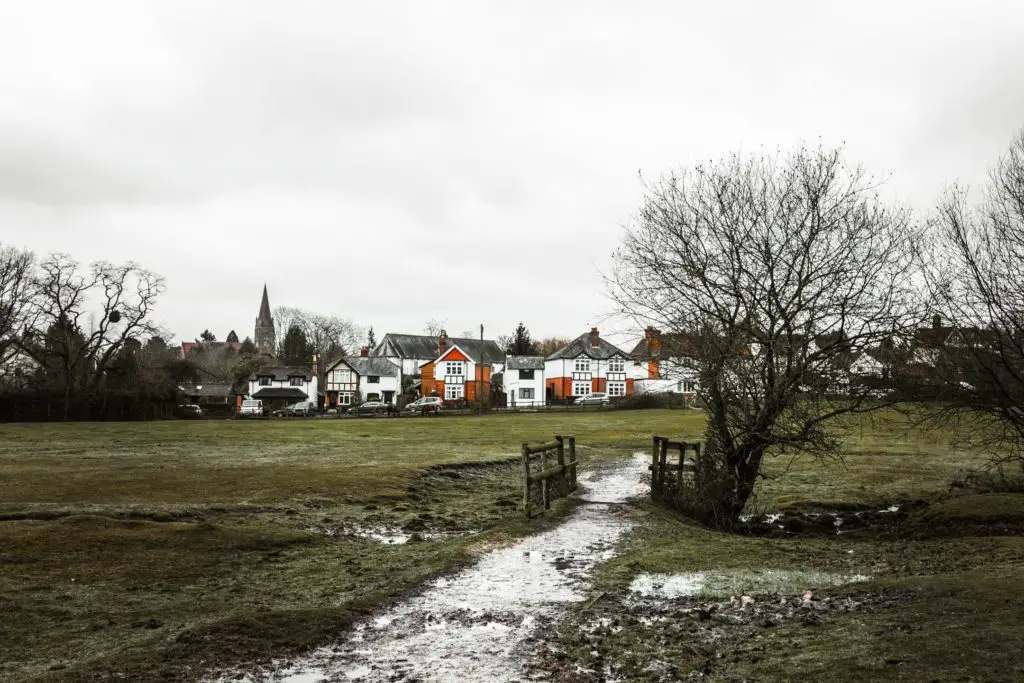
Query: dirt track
[{"x": 482, "y": 623}]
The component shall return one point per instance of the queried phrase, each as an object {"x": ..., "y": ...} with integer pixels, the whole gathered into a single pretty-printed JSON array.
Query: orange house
[{"x": 458, "y": 374}]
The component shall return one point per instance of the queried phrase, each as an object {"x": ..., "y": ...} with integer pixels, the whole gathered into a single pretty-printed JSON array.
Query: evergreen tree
[
  {"x": 294, "y": 347},
  {"x": 248, "y": 347},
  {"x": 232, "y": 337},
  {"x": 522, "y": 344},
  {"x": 208, "y": 336},
  {"x": 371, "y": 339}
]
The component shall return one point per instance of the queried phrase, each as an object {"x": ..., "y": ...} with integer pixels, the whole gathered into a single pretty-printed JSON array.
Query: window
[
  {"x": 616, "y": 388},
  {"x": 616, "y": 365},
  {"x": 373, "y": 379},
  {"x": 526, "y": 374},
  {"x": 453, "y": 391},
  {"x": 453, "y": 367},
  {"x": 373, "y": 397},
  {"x": 580, "y": 388},
  {"x": 686, "y": 386},
  {"x": 344, "y": 399},
  {"x": 266, "y": 380},
  {"x": 526, "y": 393},
  {"x": 582, "y": 365},
  {"x": 296, "y": 381}
]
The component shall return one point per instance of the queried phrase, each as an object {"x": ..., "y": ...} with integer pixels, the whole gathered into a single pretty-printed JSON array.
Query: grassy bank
[
  {"x": 932, "y": 597},
  {"x": 154, "y": 550}
]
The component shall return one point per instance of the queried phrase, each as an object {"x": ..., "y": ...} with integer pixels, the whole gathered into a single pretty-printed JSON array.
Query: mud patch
[
  {"x": 632, "y": 637},
  {"x": 388, "y": 535},
  {"x": 885, "y": 521}
]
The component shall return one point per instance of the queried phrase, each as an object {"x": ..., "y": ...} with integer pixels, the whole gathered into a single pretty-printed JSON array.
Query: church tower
[{"x": 265, "y": 336}]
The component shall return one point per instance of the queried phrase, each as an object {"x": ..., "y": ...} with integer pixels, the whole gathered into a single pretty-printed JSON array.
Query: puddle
[
  {"x": 738, "y": 582},
  {"x": 389, "y": 536},
  {"x": 479, "y": 623}
]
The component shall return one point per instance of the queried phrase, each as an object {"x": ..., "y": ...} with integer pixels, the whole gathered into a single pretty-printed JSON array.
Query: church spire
[
  {"x": 265, "y": 335},
  {"x": 265, "y": 316}
]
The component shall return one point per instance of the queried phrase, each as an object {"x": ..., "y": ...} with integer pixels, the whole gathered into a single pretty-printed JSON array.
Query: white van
[{"x": 251, "y": 408}]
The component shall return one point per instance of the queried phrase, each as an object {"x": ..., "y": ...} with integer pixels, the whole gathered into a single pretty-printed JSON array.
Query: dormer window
[
  {"x": 265, "y": 380},
  {"x": 582, "y": 365},
  {"x": 296, "y": 381},
  {"x": 616, "y": 365}
]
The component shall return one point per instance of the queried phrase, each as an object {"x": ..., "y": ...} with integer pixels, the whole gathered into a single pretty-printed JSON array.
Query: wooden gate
[
  {"x": 547, "y": 473},
  {"x": 668, "y": 478}
]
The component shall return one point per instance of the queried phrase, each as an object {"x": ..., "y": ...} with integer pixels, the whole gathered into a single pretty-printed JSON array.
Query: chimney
[
  {"x": 936, "y": 321},
  {"x": 652, "y": 337},
  {"x": 593, "y": 337},
  {"x": 442, "y": 343},
  {"x": 364, "y": 352}
]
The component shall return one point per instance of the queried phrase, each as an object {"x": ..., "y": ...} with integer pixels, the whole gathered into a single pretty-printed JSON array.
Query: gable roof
[
  {"x": 282, "y": 374},
  {"x": 428, "y": 348},
  {"x": 581, "y": 346},
  {"x": 364, "y": 366},
  {"x": 211, "y": 389},
  {"x": 525, "y": 363},
  {"x": 672, "y": 344}
]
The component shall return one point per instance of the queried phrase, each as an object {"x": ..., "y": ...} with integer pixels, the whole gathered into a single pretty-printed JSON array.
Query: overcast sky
[{"x": 393, "y": 162}]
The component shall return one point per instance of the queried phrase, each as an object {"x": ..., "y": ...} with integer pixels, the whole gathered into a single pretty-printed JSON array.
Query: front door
[{"x": 389, "y": 397}]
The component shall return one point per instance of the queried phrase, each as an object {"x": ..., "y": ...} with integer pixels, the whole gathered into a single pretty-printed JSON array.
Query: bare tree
[
  {"x": 973, "y": 270},
  {"x": 433, "y": 327},
  {"x": 781, "y": 269},
  {"x": 81, "y": 318},
  {"x": 16, "y": 270}
]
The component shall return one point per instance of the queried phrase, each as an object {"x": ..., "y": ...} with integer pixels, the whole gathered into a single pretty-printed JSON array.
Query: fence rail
[
  {"x": 668, "y": 478},
  {"x": 558, "y": 480}
]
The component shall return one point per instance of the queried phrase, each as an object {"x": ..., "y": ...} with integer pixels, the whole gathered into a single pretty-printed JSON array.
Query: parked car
[
  {"x": 251, "y": 408},
  {"x": 302, "y": 409},
  {"x": 190, "y": 411},
  {"x": 427, "y": 404},
  {"x": 597, "y": 398},
  {"x": 369, "y": 407}
]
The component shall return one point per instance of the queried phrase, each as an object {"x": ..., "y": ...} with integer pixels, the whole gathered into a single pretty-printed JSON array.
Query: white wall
[
  {"x": 308, "y": 387},
  {"x": 512, "y": 384},
  {"x": 393, "y": 383}
]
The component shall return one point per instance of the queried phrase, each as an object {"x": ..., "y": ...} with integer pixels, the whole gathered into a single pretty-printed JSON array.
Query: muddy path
[{"x": 483, "y": 623}]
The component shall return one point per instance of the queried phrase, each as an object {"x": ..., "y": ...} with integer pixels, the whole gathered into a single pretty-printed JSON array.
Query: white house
[
  {"x": 590, "y": 364},
  {"x": 281, "y": 386},
  {"x": 523, "y": 381},
  {"x": 376, "y": 379}
]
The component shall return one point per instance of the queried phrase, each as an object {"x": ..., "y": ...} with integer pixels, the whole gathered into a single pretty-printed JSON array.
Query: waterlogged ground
[{"x": 485, "y": 622}]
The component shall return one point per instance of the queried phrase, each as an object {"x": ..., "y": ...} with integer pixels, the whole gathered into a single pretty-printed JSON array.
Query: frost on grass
[{"x": 738, "y": 582}]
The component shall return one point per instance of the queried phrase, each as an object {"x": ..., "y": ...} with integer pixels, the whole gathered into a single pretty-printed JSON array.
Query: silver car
[{"x": 597, "y": 398}]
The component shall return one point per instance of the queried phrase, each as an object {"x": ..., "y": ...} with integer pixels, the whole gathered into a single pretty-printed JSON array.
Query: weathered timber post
[
  {"x": 682, "y": 458},
  {"x": 572, "y": 460},
  {"x": 696, "y": 462},
  {"x": 654, "y": 466},
  {"x": 563, "y": 477},
  {"x": 526, "y": 481},
  {"x": 663, "y": 470},
  {"x": 544, "y": 497}
]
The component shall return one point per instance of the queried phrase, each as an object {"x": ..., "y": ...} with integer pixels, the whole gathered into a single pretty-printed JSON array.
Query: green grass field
[{"x": 157, "y": 550}]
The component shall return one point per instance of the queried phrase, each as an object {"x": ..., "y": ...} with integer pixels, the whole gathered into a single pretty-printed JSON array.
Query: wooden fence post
[
  {"x": 654, "y": 466},
  {"x": 544, "y": 497},
  {"x": 682, "y": 458},
  {"x": 526, "y": 481},
  {"x": 563, "y": 478},
  {"x": 572, "y": 459},
  {"x": 662, "y": 469}
]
